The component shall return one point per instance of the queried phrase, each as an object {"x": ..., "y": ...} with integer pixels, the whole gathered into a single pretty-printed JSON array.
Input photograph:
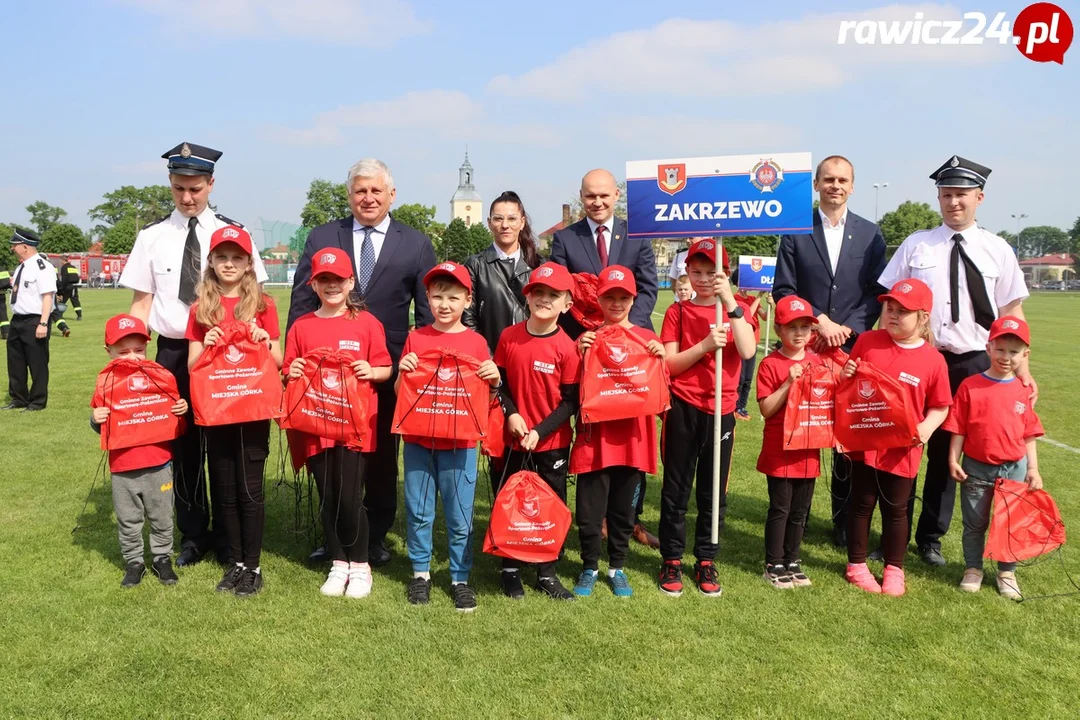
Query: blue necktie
[{"x": 367, "y": 260}]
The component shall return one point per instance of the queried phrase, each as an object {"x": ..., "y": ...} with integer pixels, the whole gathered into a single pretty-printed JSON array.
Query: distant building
[
  {"x": 544, "y": 238},
  {"x": 280, "y": 252},
  {"x": 466, "y": 203},
  {"x": 1056, "y": 267}
]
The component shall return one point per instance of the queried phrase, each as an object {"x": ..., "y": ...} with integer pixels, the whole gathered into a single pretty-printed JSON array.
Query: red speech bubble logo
[{"x": 1043, "y": 32}]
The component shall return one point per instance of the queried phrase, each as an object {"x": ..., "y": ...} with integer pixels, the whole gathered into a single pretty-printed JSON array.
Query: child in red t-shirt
[
  {"x": 437, "y": 466},
  {"x": 235, "y": 454},
  {"x": 994, "y": 424},
  {"x": 341, "y": 323},
  {"x": 142, "y": 482},
  {"x": 611, "y": 458},
  {"x": 539, "y": 364},
  {"x": 902, "y": 349},
  {"x": 691, "y": 339},
  {"x": 790, "y": 473}
]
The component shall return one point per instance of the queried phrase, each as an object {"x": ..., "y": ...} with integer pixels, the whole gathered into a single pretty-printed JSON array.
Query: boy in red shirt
[
  {"x": 539, "y": 364},
  {"x": 995, "y": 425},
  {"x": 142, "y": 483},
  {"x": 446, "y": 467},
  {"x": 691, "y": 339},
  {"x": 611, "y": 458}
]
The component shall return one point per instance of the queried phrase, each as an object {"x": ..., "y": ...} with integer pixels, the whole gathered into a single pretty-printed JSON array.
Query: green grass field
[{"x": 76, "y": 645}]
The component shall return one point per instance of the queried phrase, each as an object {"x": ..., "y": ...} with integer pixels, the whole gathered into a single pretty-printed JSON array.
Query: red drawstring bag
[
  {"x": 495, "y": 443},
  {"x": 621, "y": 379},
  {"x": 328, "y": 401},
  {"x": 140, "y": 395},
  {"x": 834, "y": 358},
  {"x": 873, "y": 413},
  {"x": 528, "y": 521},
  {"x": 443, "y": 398},
  {"x": 235, "y": 380},
  {"x": 1025, "y": 524},
  {"x": 808, "y": 416},
  {"x": 585, "y": 308}
]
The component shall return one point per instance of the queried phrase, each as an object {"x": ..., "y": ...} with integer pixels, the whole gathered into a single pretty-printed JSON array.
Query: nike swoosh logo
[{"x": 558, "y": 464}]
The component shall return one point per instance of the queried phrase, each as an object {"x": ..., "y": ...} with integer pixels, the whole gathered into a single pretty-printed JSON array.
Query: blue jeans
[
  {"x": 976, "y": 497},
  {"x": 451, "y": 473}
]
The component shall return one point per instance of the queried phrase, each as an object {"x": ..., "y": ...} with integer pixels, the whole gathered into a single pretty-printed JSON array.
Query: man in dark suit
[
  {"x": 835, "y": 269},
  {"x": 390, "y": 261}
]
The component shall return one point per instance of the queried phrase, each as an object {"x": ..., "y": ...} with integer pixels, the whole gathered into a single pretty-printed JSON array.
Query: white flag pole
[{"x": 718, "y": 431}]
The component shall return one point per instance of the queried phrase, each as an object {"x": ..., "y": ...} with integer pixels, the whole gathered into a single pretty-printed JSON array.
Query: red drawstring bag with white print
[
  {"x": 443, "y": 398},
  {"x": 140, "y": 395},
  {"x": 808, "y": 415},
  {"x": 872, "y": 412},
  {"x": 1025, "y": 524},
  {"x": 235, "y": 380},
  {"x": 529, "y": 521},
  {"x": 621, "y": 379},
  {"x": 327, "y": 400}
]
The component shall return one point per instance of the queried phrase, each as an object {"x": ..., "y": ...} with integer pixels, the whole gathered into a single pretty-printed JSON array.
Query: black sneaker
[
  {"x": 250, "y": 583},
  {"x": 230, "y": 579},
  {"x": 554, "y": 588},
  {"x": 511, "y": 585},
  {"x": 797, "y": 575},
  {"x": 777, "y": 576},
  {"x": 464, "y": 597},
  {"x": 133, "y": 574},
  {"x": 707, "y": 579},
  {"x": 162, "y": 567},
  {"x": 670, "y": 582},
  {"x": 418, "y": 591},
  {"x": 932, "y": 556}
]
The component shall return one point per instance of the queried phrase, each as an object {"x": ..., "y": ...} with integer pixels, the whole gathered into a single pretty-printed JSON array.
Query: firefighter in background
[
  {"x": 67, "y": 290},
  {"x": 5, "y": 285},
  {"x": 56, "y": 317}
]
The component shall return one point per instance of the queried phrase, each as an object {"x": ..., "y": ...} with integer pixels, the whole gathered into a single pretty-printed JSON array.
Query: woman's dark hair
[{"x": 526, "y": 239}]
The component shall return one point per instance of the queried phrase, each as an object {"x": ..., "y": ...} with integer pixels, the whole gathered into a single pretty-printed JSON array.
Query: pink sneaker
[
  {"x": 892, "y": 582},
  {"x": 861, "y": 577}
]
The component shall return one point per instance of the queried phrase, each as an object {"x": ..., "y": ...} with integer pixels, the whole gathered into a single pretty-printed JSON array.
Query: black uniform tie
[
  {"x": 189, "y": 266},
  {"x": 980, "y": 301},
  {"x": 15, "y": 288}
]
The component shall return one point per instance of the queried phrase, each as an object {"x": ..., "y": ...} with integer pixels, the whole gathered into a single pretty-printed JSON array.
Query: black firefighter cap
[
  {"x": 959, "y": 172},
  {"x": 191, "y": 159},
  {"x": 23, "y": 236}
]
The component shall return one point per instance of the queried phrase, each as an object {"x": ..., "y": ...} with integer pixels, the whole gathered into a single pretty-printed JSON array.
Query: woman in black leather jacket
[{"x": 500, "y": 272}]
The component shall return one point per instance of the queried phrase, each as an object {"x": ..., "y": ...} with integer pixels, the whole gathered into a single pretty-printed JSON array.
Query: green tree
[
  {"x": 1039, "y": 240},
  {"x": 120, "y": 238},
  {"x": 326, "y": 201},
  {"x": 480, "y": 238},
  {"x": 297, "y": 242},
  {"x": 8, "y": 260},
  {"x": 63, "y": 238},
  {"x": 739, "y": 245},
  {"x": 907, "y": 218},
  {"x": 455, "y": 242},
  {"x": 417, "y": 216},
  {"x": 143, "y": 205},
  {"x": 43, "y": 215}
]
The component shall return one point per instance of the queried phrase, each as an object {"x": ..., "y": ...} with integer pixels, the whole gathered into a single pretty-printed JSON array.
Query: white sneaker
[
  {"x": 359, "y": 580},
  {"x": 972, "y": 580},
  {"x": 1007, "y": 587},
  {"x": 336, "y": 580}
]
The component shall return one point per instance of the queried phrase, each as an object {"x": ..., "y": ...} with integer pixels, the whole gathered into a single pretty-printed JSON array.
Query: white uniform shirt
[
  {"x": 37, "y": 277},
  {"x": 154, "y": 267},
  {"x": 834, "y": 236},
  {"x": 925, "y": 256},
  {"x": 678, "y": 266}
]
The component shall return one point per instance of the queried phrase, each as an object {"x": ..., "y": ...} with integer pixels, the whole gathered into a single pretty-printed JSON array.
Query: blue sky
[{"x": 94, "y": 92}]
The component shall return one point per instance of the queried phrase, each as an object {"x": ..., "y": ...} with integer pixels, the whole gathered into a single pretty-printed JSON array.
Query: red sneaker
[
  {"x": 707, "y": 579},
  {"x": 671, "y": 578},
  {"x": 892, "y": 582},
  {"x": 861, "y": 577}
]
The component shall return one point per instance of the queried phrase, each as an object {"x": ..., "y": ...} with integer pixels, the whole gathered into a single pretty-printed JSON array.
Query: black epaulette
[
  {"x": 152, "y": 223},
  {"x": 228, "y": 220},
  {"x": 41, "y": 263}
]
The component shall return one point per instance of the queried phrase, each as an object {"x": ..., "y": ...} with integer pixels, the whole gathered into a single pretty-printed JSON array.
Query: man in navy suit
[
  {"x": 390, "y": 261},
  {"x": 835, "y": 269},
  {"x": 595, "y": 242}
]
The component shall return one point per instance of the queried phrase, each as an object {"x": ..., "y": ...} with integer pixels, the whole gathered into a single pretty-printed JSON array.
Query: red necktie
[{"x": 601, "y": 246}]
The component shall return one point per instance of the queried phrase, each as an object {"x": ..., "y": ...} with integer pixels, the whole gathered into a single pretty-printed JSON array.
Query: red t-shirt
[
  {"x": 468, "y": 342},
  {"x": 631, "y": 442},
  {"x": 267, "y": 319},
  {"x": 361, "y": 337},
  {"x": 925, "y": 377},
  {"x": 746, "y": 300},
  {"x": 774, "y": 459},
  {"x": 995, "y": 417},
  {"x": 536, "y": 366},
  {"x": 688, "y": 324}
]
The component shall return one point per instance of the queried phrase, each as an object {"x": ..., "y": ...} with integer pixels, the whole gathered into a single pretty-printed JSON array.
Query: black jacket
[{"x": 498, "y": 300}]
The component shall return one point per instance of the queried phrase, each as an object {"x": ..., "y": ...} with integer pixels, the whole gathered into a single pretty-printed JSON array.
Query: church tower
[{"x": 466, "y": 203}]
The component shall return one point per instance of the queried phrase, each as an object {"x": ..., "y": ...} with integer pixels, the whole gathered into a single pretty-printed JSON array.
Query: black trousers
[
  {"x": 840, "y": 488},
  {"x": 552, "y": 466},
  {"x": 339, "y": 477},
  {"x": 746, "y": 379},
  {"x": 785, "y": 523},
  {"x": 26, "y": 352},
  {"x": 688, "y": 449},
  {"x": 382, "y": 468},
  {"x": 189, "y": 480},
  {"x": 236, "y": 455},
  {"x": 939, "y": 490},
  {"x": 869, "y": 487},
  {"x": 73, "y": 300},
  {"x": 606, "y": 494}
]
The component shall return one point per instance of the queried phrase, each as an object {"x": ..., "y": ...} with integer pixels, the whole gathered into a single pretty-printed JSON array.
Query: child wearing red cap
[
  {"x": 902, "y": 348},
  {"x": 994, "y": 424},
  {"x": 142, "y": 482},
  {"x": 341, "y": 322},
  {"x": 789, "y": 473},
  {"x": 611, "y": 458},
  {"x": 236, "y": 454},
  {"x": 691, "y": 339},
  {"x": 539, "y": 365},
  {"x": 443, "y": 467}
]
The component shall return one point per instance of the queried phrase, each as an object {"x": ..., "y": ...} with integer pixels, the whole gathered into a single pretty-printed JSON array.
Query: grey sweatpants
[{"x": 146, "y": 492}]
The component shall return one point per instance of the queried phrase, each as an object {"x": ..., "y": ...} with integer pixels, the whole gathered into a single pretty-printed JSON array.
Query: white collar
[
  {"x": 382, "y": 227},
  {"x": 609, "y": 224},
  {"x": 970, "y": 233},
  {"x": 827, "y": 224},
  {"x": 503, "y": 256},
  {"x": 205, "y": 218}
]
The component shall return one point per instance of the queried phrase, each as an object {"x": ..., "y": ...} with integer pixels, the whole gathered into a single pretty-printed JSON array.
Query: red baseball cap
[
  {"x": 791, "y": 308},
  {"x": 119, "y": 327},
  {"x": 233, "y": 234},
  {"x": 1011, "y": 325},
  {"x": 616, "y": 276},
  {"x": 459, "y": 274},
  {"x": 331, "y": 260},
  {"x": 552, "y": 275},
  {"x": 707, "y": 248},
  {"x": 911, "y": 294}
]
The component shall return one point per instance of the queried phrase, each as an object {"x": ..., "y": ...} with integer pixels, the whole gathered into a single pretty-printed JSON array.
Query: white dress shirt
[
  {"x": 503, "y": 256},
  {"x": 925, "y": 255},
  {"x": 678, "y": 265},
  {"x": 154, "y": 267},
  {"x": 37, "y": 278},
  {"x": 609, "y": 225},
  {"x": 378, "y": 237},
  {"x": 834, "y": 236}
]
